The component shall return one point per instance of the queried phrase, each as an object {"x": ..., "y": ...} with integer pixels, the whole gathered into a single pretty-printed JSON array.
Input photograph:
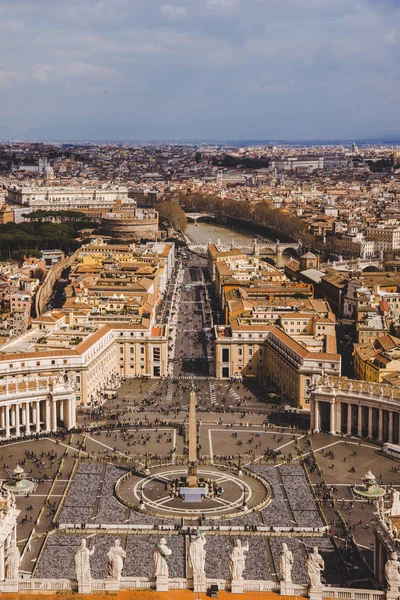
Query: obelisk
[{"x": 192, "y": 439}]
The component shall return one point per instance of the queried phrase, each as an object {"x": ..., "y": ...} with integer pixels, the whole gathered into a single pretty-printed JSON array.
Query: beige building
[
  {"x": 40, "y": 197},
  {"x": 267, "y": 352},
  {"x": 386, "y": 237}
]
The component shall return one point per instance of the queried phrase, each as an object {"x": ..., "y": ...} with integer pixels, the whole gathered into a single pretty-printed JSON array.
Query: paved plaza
[{"x": 241, "y": 426}]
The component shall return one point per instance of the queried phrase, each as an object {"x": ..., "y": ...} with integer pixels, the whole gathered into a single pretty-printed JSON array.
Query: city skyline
[{"x": 218, "y": 69}]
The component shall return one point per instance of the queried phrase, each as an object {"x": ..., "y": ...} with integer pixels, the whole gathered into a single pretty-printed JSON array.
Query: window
[
  {"x": 240, "y": 352},
  {"x": 225, "y": 372},
  {"x": 53, "y": 362},
  {"x": 132, "y": 349},
  {"x": 121, "y": 349},
  {"x": 156, "y": 371},
  {"x": 250, "y": 351},
  {"x": 225, "y": 355},
  {"x": 156, "y": 354},
  {"x": 141, "y": 350},
  {"x": 38, "y": 363}
]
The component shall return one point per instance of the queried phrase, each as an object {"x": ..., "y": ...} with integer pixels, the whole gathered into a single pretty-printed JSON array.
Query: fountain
[
  {"x": 370, "y": 489},
  {"x": 18, "y": 484}
]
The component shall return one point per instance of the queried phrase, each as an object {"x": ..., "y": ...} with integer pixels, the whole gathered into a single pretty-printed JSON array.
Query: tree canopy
[{"x": 173, "y": 213}]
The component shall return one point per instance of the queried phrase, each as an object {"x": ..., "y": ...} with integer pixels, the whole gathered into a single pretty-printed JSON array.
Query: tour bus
[{"x": 392, "y": 450}]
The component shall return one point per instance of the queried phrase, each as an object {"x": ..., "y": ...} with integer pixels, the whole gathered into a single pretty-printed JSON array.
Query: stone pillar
[
  {"x": 317, "y": 417},
  {"x": 61, "y": 407},
  {"x": 237, "y": 587},
  {"x": 7, "y": 409},
  {"x": 54, "y": 415},
  {"x": 72, "y": 411},
  {"x": 3, "y": 417},
  {"x": 380, "y": 425},
  {"x": 370, "y": 414},
  {"x": 359, "y": 420},
  {"x": 390, "y": 432},
  {"x": 17, "y": 421},
  {"x": 48, "y": 421},
  {"x": 37, "y": 412},
  {"x": 162, "y": 583},
  {"x": 12, "y": 416},
  {"x": 333, "y": 418},
  {"x": 28, "y": 418},
  {"x": 349, "y": 418}
]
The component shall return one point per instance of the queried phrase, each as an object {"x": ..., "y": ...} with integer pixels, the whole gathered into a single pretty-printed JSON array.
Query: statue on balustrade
[
  {"x": 237, "y": 561},
  {"x": 160, "y": 561},
  {"x": 116, "y": 557},
  {"x": 315, "y": 566},
  {"x": 392, "y": 572},
  {"x": 285, "y": 564},
  {"x": 82, "y": 562},
  {"x": 197, "y": 556},
  {"x": 13, "y": 561}
]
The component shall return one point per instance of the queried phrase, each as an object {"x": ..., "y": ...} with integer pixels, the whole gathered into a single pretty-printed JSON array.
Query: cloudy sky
[{"x": 210, "y": 69}]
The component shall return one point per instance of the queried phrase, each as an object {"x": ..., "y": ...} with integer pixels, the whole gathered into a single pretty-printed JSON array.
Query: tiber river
[{"x": 203, "y": 232}]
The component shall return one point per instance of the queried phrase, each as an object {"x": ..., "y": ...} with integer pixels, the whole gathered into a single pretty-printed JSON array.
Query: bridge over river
[{"x": 257, "y": 247}]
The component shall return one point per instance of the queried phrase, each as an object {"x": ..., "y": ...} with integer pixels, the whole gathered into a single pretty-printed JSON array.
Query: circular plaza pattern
[{"x": 153, "y": 493}]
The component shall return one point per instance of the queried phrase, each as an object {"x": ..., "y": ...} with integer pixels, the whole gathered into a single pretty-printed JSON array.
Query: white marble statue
[
  {"x": 13, "y": 561},
  {"x": 315, "y": 566},
  {"x": 197, "y": 556},
  {"x": 160, "y": 565},
  {"x": 392, "y": 572},
  {"x": 237, "y": 560},
  {"x": 285, "y": 564},
  {"x": 82, "y": 562},
  {"x": 116, "y": 557}
]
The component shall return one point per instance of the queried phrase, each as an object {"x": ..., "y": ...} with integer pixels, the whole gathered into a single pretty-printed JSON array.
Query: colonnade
[
  {"x": 32, "y": 416},
  {"x": 340, "y": 415}
]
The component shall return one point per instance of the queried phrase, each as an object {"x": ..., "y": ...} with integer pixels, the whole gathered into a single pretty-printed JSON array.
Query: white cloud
[
  {"x": 14, "y": 25},
  {"x": 10, "y": 78},
  {"x": 173, "y": 13},
  {"x": 90, "y": 72},
  {"x": 41, "y": 73}
]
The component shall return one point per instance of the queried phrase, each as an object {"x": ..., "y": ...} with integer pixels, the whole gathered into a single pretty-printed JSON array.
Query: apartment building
[
  {"x": 375, "y": 360},
  {"x": 74, "y": 197},
  {"x": 386, "y": 237},
  {"x": 95, "y": 356}
]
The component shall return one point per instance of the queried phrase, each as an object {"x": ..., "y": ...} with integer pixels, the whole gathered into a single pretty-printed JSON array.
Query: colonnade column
[
  {"x": 370, "y": 413},
  {"x": 3, "y": 417},
  {"x": 27, "y": 418},
  {"x": 317, "y": 417},
  {"x": 333, "y": 418},
  {"x": 37, "y": 416},
  {"x": 390, "y": 432},
  {"x": 54, "y": 415},
  {"x": 17, "y": 421},
  {"x": 349, "y": 418},
  {"x": 380, "y": 424},
  {"x": 7, "y": 421},
  {"x": 359, "y": 421},
  {"x": 48, "y": 421},
  {"x": 72, "y": 412}
]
